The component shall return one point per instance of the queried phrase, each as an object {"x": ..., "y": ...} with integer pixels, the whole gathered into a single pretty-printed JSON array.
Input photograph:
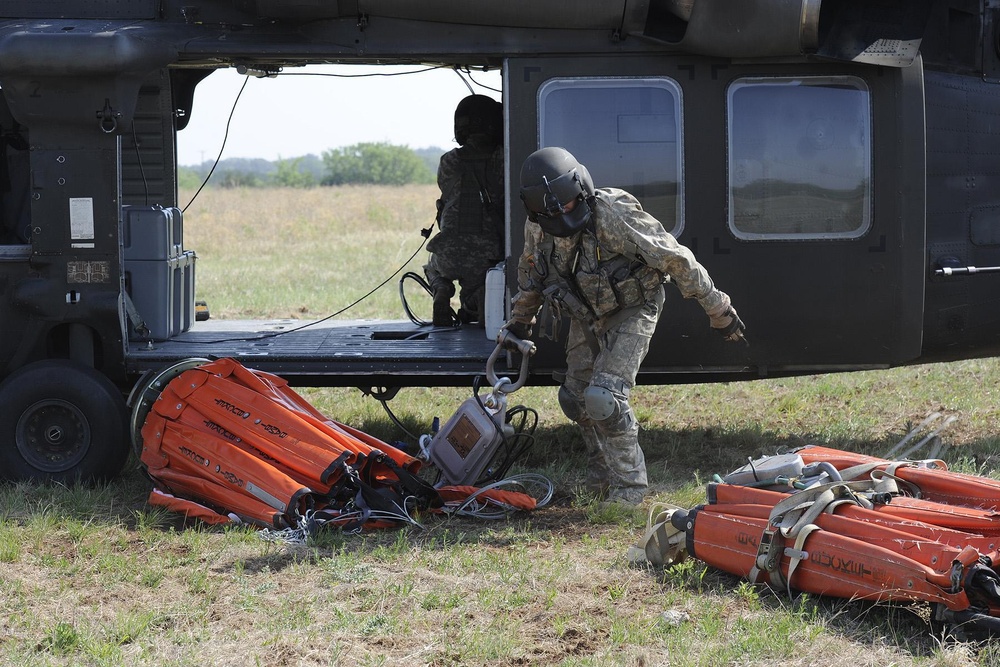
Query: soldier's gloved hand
[
  {"x": 518, "y": 331},
  {"x": 728, "y": 324}
]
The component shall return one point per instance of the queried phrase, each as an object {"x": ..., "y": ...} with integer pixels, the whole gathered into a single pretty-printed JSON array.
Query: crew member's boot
[
  {"x": 443, "y": 316},
  {"x": 469, "y": 312},
  {"x": 481, "y": 308}
]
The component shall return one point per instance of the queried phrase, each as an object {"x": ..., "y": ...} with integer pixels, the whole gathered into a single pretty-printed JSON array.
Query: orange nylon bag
[
  {"x": 241, "y": 442},
  {"x": 850, "y": 526}
]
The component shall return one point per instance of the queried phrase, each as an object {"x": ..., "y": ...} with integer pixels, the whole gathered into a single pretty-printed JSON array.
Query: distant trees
[
  {"x": 233, "y": 178},
  {"x": 375, "y": 163},
  {"x": 290, "y": 175},
  {"x": 189, "y": 178},
  {"x": 363, "y": 163}
]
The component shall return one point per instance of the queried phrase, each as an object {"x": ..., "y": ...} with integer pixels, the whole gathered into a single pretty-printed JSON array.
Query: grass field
[
  {"x": 93, "y": 576},
  {"x": 306, "y": 252}
]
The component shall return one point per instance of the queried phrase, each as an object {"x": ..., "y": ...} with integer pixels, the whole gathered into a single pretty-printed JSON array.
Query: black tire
[{"x": 61, "y": 421}]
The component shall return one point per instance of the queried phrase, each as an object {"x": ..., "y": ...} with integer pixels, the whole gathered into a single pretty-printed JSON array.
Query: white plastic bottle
[{"x": 495, "y": 301}]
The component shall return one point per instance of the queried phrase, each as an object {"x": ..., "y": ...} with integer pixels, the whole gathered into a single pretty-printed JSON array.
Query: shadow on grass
[{"x": 677, "y": 461}]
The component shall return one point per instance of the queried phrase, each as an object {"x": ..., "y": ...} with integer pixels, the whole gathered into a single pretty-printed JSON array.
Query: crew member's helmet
[
  {"x": 478, "y": 114},
  {"x": 551, "y": 181}
]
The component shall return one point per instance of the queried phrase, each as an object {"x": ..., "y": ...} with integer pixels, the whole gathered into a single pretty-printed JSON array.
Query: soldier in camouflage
[
  {"x": 597, "y": 256},
  {"x": 469, "y": 213}
]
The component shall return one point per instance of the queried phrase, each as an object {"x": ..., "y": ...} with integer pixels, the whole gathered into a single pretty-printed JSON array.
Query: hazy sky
[{"x": 295, "y": 114}]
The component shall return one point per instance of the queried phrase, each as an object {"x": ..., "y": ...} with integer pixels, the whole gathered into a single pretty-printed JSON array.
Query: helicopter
[{"x": 833, "y": 163}]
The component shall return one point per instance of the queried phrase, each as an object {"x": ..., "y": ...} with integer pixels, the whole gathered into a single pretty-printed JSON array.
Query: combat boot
[
  {"x": 472, "y": 307},
  {"x": 443, "y": 316}
]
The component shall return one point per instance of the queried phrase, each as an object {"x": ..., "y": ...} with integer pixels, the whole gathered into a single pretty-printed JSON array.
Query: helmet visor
[
  {"x": 552, "y": 197},
  {"x": 559, "y": 206}
]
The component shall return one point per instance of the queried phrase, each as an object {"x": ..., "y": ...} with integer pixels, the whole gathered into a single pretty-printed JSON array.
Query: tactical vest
[{"x": 593, "y": 285}]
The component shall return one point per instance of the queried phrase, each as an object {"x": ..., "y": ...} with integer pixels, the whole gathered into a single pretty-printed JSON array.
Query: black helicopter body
[{"x": 834, "y": 163}]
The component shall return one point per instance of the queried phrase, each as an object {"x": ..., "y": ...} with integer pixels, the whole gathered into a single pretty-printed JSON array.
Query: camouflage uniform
[
  {"x": 610, "y": 280},
  {"x": 470, "y": 217}
]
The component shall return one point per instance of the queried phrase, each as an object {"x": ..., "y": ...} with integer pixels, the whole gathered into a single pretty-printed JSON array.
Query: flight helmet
[
  {"x": 478, "y": 114},
  {"x": 551, "y": 180}
]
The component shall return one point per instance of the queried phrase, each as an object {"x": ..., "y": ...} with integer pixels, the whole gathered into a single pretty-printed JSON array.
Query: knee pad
[
  {"x": 601, "y": 404},
  {"x": 571, "y": 404}
]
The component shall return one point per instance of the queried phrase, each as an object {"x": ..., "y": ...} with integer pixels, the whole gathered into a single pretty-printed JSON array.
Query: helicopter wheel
[{"x": 61, "y": 421}]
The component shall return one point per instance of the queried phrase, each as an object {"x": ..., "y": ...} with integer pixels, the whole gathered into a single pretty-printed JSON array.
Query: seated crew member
[{"x": 469, "y": 213}]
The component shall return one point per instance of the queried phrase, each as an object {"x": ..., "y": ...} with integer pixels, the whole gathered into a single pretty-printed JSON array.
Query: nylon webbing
[{"x": 792, "y": 518}]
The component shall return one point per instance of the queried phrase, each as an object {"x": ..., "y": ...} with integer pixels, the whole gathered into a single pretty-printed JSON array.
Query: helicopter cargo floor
[{"x": 362, "y": 353}]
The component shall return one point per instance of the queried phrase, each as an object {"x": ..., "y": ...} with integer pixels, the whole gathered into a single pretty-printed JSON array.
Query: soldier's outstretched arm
[{"x": 640, "y": 235}]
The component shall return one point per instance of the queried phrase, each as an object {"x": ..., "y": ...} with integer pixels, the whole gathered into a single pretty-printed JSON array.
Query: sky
[{"x": 296, "y": 114}]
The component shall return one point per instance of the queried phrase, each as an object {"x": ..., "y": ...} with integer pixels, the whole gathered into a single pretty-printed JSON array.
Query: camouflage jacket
[
  {"x": 471, "y": 207},
  {"x": 613, "y": 265}
]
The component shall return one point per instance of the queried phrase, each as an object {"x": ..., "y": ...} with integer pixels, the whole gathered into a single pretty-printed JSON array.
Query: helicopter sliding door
[{"x": 798, "y": 186}]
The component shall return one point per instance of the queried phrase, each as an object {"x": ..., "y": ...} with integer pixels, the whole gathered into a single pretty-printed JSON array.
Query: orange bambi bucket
[
  {"x": 836, "y": 523},
  {"x": 242, "y": 442}
]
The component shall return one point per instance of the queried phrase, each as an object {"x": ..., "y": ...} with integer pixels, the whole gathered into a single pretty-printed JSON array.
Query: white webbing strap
[
  {"x": 797, "y": 554},
  {"x": 792, "y": 519},
  {"x": 662, "y": 545}
]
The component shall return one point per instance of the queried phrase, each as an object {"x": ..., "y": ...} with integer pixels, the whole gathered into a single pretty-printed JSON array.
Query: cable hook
[{"x": 108, "y": 117}]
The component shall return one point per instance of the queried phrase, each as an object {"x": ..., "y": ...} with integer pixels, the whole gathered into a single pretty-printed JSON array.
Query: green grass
[
  {"x": 307, "y": 253},
  {"x": 94, "y": 576}
]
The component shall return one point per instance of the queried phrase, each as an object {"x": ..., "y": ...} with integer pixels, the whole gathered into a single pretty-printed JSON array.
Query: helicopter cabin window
[
  {"x": 626, "y": 131},
  {"x": 799, "y": 158}
]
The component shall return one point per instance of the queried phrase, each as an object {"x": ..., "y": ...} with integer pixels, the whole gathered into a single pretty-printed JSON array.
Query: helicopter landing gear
[{"x": 61, "y": 421}]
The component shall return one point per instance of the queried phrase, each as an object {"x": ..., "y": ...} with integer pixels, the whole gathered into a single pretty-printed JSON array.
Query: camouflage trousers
[
  {"x": 469, "y": 269},
  {"x": 615, "y": 459}
]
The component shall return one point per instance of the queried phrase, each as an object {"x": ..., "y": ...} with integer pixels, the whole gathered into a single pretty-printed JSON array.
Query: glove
[
  {"x": 517, "y": 331},
  {"x": 728, "y": 324},
  {"x": 520, "y": 330}
]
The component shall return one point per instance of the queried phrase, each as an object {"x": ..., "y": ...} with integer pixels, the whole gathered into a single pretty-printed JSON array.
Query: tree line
[{"x": 369, "y": 163}]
